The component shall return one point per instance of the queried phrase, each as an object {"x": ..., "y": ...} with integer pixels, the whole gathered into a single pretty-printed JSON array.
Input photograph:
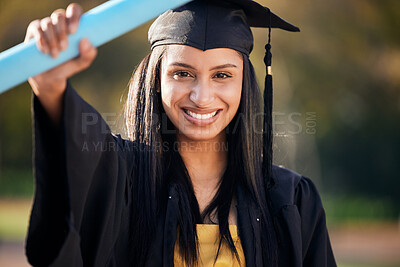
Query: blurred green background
[{"x": 336, "y": 113}]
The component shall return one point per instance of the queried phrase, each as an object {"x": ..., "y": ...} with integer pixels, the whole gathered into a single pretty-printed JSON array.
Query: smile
[{"x": 200, "y": 116}]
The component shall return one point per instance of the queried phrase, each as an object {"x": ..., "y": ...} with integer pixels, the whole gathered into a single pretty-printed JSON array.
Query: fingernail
[
  {"x": 45, "y": 50},
  {"x": 85, "y": 44},
  {"x": 71, "y": 28},
  {"x": 64, "y": 44},
  {"x": 54, "y": 53}
]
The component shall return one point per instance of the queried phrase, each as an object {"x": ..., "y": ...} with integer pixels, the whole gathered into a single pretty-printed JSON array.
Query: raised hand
[{"x": 51, "y": 35}]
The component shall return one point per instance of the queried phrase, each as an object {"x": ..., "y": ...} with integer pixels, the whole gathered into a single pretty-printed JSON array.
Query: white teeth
[{"x": 200, "y": 116}]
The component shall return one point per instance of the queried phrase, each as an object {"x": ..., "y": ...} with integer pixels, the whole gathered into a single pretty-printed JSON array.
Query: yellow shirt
[{"x": 208, "y": 235}]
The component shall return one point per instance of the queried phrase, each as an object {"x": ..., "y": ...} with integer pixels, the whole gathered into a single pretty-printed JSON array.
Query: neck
[{"x": 205, "y": 161}]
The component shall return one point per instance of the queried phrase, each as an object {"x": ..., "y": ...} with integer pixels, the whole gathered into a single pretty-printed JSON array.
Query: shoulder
[
  {"x": 291, "y": 188},
  {"x": 300, "y": 220}
]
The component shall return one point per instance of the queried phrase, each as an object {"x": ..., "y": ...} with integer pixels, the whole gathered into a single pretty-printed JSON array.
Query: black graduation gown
[{"x": 80, "y": 215}]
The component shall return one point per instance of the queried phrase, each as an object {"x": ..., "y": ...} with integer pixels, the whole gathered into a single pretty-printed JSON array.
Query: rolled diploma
[{"x": 100, "y": 25}]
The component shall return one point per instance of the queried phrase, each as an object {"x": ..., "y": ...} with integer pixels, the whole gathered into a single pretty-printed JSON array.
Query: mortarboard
[{"x": 207, "y": 24}]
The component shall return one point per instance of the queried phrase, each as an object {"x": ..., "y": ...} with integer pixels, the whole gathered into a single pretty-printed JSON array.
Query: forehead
[{"x": 185, "y": 53}]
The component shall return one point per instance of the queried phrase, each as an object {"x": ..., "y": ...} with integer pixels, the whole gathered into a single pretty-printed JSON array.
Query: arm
[
  {"x": 82, "y": 177},
  {"x": 80, "y": 186},
  {"x": 51, "y": 38}
]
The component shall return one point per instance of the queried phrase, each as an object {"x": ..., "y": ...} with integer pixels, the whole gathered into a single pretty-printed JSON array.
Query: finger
[
  {"x": 87, "y": 55},
  {"x": 73, "y": 13},
  {"x": 50, "y": 35},
  {"x": 35, "y": 31},
  {"x": 59, "y": 21},
  {"x": 30, "y": 30}
]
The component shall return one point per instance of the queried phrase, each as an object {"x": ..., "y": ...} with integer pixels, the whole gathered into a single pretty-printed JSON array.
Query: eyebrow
[
  {"x": 184, "y": 65},
  {"x": 228, "y": 65}
]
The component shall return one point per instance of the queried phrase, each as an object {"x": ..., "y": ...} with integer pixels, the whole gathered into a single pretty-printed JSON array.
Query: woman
[{"x": 189, "y": 187}]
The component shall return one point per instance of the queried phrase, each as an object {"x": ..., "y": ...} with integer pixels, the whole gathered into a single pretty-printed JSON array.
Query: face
[{"x": 201, "y": 90}]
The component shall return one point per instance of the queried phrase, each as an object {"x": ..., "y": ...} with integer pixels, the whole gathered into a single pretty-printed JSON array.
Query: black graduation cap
[{"x": 207, "y": 24}]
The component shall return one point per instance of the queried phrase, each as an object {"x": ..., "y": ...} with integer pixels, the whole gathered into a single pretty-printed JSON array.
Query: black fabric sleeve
[
  {"x": 82, "y": 173},
  {"x": 316, "y": 246}
]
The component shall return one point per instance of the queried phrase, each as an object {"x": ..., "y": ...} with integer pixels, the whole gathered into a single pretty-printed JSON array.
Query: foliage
[
  {"x": 16, "y": 184},
  {"x": 355, "y": 209},
  {"x": 343, "y": 67}
]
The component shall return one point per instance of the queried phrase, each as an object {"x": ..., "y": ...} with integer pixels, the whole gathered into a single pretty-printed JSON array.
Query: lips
[{"x": 201, "y": 118}]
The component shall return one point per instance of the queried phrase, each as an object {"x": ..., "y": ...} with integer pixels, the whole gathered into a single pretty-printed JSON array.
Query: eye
[
  {"x": 181, "y": 74},
  {"x": 222, "y": 75}
]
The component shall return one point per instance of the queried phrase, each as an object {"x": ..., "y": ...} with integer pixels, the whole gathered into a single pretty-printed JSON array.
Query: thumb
[{"x": 87, "y": 53}]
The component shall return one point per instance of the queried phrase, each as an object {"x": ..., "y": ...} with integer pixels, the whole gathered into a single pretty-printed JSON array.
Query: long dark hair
[{"x": 153, "y": 169}]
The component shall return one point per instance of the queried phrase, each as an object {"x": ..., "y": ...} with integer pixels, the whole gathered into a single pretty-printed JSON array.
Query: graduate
[{"x": 194, "y": 184}]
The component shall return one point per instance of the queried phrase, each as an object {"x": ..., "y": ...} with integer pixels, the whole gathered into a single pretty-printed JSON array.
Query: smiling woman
[
  {"x": 194, "y": 156},
  {"x": 201, "y": 90}
]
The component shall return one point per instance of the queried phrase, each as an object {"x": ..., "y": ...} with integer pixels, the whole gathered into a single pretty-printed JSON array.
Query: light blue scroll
[{"x": 100, "y": 25}]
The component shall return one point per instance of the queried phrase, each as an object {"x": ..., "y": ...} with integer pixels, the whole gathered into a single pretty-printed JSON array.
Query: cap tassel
[{"x": 267, "y": 127}]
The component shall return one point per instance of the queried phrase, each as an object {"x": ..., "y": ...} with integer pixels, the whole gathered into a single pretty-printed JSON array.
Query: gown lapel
[
  {"x": 249, "y": 228},
  {"x": 171, "y": 224}
]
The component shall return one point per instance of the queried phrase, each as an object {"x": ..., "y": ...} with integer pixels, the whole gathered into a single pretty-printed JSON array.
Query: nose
[{"x": 202, "y": 94}]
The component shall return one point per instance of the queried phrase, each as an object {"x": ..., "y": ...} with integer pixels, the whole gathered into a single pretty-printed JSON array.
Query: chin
[{"x": 199, "y": 135}]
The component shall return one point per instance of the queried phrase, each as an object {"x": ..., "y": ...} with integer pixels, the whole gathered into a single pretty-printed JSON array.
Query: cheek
[
  {"x": 166, "y": 97},
  {"x": 232, "y": 97},
  {"x": 167, "y": 92},
  {"x": 238, "y": 95},
  {"x": 170, "y": 96}
]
